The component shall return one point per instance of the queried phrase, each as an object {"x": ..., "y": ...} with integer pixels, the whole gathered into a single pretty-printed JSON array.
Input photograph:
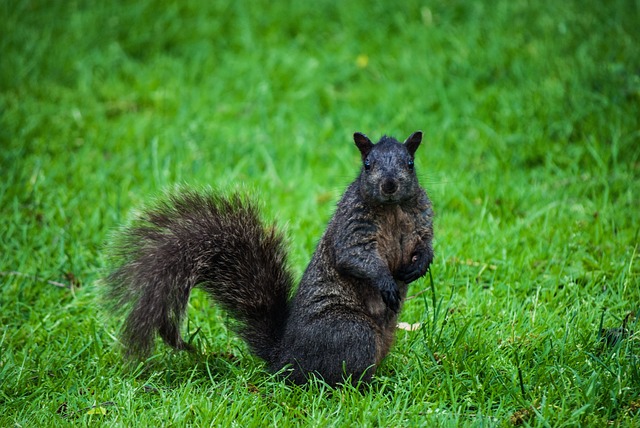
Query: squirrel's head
[{"x": 388, "y": 175}]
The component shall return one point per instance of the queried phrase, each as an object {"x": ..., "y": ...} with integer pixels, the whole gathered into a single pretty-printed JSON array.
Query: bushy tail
[{"x": 200, "y": 239}]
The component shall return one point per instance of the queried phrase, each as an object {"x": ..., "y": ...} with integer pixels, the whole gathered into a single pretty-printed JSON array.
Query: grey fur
[{"x": 341, "y": 321}]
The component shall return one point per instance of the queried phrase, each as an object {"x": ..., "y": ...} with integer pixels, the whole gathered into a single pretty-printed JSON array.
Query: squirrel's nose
[{"x": 389, "y": 187}]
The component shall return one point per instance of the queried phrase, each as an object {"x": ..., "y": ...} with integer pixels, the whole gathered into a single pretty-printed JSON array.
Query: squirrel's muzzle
[{"x": 389, "y": 187}]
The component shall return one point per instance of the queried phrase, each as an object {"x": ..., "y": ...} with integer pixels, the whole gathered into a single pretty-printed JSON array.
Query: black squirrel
[{"x": 341, "y": 321}]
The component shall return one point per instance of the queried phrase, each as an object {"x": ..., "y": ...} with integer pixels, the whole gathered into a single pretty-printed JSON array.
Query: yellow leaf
[
  {"x": 362, "y": 61},
  {"x": 97, "y": 411}
]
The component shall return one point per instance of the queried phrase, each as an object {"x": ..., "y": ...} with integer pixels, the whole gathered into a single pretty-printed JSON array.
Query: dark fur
[{"x": 342, "y": 319}]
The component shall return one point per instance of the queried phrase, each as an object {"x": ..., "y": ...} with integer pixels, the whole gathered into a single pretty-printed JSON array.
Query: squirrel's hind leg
[{"x": 339, "y": 350}]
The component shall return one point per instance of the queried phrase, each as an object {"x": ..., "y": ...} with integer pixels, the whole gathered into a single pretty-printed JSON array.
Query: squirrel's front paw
[
  {"x": 391, "y": 295},
  {"x": 419, "y": 265},
  {"x": 409, "y": 273}
]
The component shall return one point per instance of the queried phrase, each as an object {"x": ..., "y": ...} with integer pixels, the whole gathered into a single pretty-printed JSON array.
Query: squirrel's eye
[
  {"x": 367, "y": 164},
  {"x": 410, "y": 164}
]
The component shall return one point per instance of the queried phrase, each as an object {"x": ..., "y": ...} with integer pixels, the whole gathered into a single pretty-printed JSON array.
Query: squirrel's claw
[
  {"x": 419, "y": 265},
  {"x": 391, "y": 296}
]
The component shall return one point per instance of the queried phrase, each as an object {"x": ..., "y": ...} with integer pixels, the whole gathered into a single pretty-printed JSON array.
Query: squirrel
[{"x": 339, "y": 323}]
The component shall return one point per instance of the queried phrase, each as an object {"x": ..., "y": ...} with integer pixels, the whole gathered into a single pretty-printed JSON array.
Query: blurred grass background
[{"x": 531, "y": 117}]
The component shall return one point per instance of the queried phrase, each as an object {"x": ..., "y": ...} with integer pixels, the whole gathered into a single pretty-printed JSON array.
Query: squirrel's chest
[{"x": 397, "y": 236}]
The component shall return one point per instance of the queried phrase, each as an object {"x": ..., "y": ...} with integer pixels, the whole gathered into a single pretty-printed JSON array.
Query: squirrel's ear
[
  {"x": 363, "y": 142},
  {"x": 413, "y": 142}
]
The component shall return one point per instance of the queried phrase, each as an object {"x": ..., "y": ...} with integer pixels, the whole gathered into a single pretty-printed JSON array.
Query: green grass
[{"x": 531, "y": 115}]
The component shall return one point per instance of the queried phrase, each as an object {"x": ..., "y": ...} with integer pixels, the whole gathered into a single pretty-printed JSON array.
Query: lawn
[{"x": 531, "y": 156}]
